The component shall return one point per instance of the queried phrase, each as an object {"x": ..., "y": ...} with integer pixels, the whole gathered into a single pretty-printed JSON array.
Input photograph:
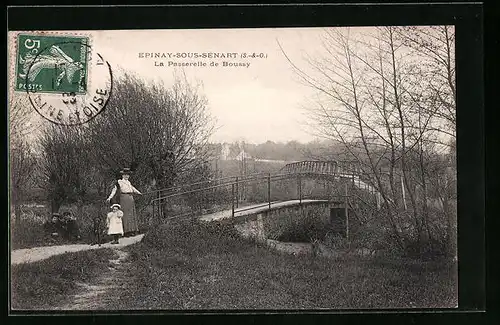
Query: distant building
[{"x": 243, "y": 155}]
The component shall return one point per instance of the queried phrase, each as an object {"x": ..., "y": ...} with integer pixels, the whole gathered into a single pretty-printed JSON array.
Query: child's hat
[{"x": 116, "y": 205}]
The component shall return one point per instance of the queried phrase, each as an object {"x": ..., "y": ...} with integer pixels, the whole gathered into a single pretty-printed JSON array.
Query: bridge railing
[
  {"x": 211, "y": 195},
  {"x": 236, "y": 194}
]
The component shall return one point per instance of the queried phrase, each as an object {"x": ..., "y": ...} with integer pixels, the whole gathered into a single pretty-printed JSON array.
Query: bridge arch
[{"x": 330, "y": 170}]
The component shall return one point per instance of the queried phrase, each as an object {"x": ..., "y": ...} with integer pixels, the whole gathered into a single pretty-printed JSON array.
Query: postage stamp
[
  {"x": 66, "y": 81},
  {"x": 52, "y": 64}
]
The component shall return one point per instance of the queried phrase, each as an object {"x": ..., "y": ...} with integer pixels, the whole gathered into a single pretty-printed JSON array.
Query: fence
[{"x": 237, "y": 194}]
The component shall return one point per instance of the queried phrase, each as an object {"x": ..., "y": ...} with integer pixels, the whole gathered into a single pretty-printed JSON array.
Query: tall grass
[
  {"x": 196, "y": 266},
  {"x": 48, "y": 283}
]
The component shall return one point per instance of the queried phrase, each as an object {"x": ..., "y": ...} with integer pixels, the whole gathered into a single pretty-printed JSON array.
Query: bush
[
  {"x": 308, "y": 229},
  {"x": 193, "y": 238},
  {"x": 31, "y": 233},
  {"x": 28, "y": 233}
]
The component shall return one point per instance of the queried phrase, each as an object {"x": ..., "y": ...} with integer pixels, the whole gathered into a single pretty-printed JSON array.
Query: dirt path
[
  {"x": 29, "y": 255},
  {"x": 93, "y": 296}
]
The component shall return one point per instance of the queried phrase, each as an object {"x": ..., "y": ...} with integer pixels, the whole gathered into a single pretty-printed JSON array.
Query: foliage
[
  {"x": 279, "y": 151},
  {"x": 64, "y": 165},
  {"x": 28, "y": 230},
  {"x": 308, "y": 230}
]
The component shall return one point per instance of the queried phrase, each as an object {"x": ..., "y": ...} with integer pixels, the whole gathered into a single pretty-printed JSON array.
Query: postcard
[{"x": 233, "y": 169}]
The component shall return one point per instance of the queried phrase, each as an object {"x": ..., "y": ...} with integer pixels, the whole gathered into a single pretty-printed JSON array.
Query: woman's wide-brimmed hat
[
  {"x": 126, "y": 171},
  {"x": 116, "y": 205}
]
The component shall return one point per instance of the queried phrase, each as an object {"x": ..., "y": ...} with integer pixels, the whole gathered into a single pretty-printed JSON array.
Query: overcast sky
[
  {"x": 261, "y": 102},
  {"x": 257, "y": 103}
]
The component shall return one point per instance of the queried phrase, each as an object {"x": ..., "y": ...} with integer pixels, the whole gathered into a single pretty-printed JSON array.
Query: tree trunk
[
  {"x": 17, "y": 213},
  {"x": 451, "y": 235},
  {"x": 164, "y": 183},
  {"x": 16, "y": 205},
  {"x": 80, "y": 208}
]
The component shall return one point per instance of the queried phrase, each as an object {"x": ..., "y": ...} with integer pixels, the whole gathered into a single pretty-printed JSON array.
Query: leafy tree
[
  {"x": 64, "y": 165},
  {"x": 161, "y": 132}
]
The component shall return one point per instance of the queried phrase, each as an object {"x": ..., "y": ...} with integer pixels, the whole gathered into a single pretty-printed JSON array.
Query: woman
[{"x": 126, "y": 190}]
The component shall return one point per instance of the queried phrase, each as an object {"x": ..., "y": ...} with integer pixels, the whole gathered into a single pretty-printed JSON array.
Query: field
[{"x": 208, "y": 266}]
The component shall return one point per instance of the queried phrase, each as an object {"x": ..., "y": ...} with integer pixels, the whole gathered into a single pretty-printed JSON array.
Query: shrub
[
  {"x": 30, "y": 232},
  {"x": 307, "y": 229},
  {"x": 193, "y": 238}
]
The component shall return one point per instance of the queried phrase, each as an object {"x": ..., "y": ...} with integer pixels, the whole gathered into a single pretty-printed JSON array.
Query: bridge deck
[{"x": 252, "y": 209}]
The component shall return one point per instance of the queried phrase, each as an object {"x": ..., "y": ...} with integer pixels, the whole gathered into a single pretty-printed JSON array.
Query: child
[
  {"x": 71, "y": 226},
  {"x": 53, "y": 227},
  {"x": 114, "y": 223}
]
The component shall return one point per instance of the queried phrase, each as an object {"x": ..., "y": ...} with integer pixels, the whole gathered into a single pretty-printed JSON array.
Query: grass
[
  {"x": 48, "y": 283},
  {"x": 191, "y": 266}
]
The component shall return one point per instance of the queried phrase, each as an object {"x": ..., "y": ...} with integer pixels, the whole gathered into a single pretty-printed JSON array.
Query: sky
[
  {"x": 256, "y": 103},
  {"x": 260, "y": 101}
]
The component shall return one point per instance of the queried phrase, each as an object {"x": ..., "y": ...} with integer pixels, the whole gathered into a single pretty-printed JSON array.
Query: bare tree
[
  {"x": 435, "y": 46},
  {"x": 21, "y": 157},
  {"x": 22, "y": 163},
  {"x": 21, "y": 121},
  {"x": 375, "y": 99}
]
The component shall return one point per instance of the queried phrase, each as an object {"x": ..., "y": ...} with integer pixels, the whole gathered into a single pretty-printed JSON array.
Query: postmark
[{"x": 67, "y": 82}]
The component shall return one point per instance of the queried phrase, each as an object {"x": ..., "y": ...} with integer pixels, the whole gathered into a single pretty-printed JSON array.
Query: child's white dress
[{"x": 114, "y": 222}]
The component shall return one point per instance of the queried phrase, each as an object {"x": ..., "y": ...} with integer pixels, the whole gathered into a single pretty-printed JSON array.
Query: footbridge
[
  {"x": 330, "y": 170},
  {"x": 297, "y": 184}
]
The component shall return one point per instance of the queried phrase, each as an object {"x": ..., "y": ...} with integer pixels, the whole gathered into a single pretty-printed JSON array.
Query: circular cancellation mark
[{"x": 64, "y": 89}]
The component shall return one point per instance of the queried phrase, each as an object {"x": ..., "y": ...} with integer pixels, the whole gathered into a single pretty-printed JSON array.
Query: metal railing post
[
  {"x": 300, "y": 190},
  {"x": 346, "y": 214},
  {"x": 232, "y": 200},
  {"x": 237, "y": 193},
  {"x": 269, "y": 189},
  {"x": 158, "y": 207},
  {"x": 154, "y": 210}
]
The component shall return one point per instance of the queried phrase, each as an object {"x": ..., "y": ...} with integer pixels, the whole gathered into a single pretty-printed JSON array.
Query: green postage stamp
[
  {"x": 52, "y": 63},
  {"x": 64, "y": 78}
]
